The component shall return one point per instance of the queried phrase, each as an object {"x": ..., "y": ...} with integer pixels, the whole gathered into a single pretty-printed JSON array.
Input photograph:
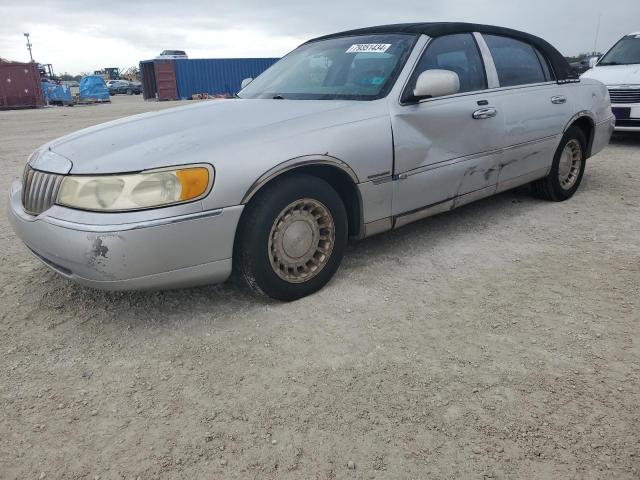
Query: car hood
[
  {"x": 188, "y": 134},
  {"x": 615, "y": 74}
]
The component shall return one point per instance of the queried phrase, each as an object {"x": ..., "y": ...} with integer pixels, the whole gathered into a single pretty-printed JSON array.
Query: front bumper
[
  {"x": 631, "y": 124},
  {"x": 160, "y": 253},
  {"x": 629, "y": 127}
]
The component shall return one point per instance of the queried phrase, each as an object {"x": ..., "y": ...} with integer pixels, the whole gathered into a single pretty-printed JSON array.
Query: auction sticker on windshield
[{"x": 369, "y": 48}]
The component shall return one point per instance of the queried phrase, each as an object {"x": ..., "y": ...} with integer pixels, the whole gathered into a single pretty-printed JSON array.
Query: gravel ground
[{"x": 497, "y": 341}]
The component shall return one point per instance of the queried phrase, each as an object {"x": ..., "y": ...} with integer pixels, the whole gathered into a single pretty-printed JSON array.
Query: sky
[{"x": 86, "y": 35}]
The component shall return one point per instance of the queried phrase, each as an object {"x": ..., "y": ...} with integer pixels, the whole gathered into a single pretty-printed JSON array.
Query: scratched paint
[{"x": 98, "y": 253}]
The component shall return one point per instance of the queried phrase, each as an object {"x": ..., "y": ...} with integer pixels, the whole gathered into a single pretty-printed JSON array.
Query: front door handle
[
  {"x": 559, "y": 100},
  {"x": 485, "y": 113}
]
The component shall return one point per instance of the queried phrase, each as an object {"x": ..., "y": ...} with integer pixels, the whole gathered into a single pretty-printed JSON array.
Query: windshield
[
  {"x": 625, "y": 52},
  {"x": 348, "y": 68}
]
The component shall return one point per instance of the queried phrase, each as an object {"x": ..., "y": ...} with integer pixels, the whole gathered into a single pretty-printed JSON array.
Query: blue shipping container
[{"x": 217, "y": 76}]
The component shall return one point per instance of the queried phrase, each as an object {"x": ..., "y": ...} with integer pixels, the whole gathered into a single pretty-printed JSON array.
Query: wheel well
[
  {"x": 344, "y": 186},
  {"x": 586, "y": 125}
]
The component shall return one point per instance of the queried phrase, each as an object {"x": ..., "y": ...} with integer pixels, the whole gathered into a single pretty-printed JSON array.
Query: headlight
[{"x": 155, "y": 188}]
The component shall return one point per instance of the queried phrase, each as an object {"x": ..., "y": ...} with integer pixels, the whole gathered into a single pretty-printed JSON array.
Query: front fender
[{"x": 361, "y": 148}]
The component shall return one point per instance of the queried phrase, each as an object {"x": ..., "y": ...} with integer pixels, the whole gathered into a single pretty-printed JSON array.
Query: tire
[
  {"x": 277, "y": 231},
  {"x": 567, "y": 170}
]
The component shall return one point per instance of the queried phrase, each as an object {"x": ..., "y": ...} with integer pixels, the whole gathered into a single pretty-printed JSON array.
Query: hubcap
[
  {"x": 570, "y": 164},
  {"x": 301, "y": 240}
]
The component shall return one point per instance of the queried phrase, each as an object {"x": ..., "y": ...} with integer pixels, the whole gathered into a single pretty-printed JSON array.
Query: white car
[
  {"x": 619, "y": 70},
  {"x": 172, "y": 55}
]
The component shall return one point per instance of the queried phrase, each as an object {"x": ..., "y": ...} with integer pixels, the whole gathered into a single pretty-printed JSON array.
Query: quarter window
[
  {"x": 518, "y": 63},
  {"x": 457, "y": 53}
]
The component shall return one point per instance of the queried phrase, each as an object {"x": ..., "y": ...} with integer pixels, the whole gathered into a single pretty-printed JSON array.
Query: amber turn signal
[{"x": 194, "y": 182}]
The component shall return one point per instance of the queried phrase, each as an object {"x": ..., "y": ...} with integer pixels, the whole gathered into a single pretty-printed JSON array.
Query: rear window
[{"x": 517, "y": 63}]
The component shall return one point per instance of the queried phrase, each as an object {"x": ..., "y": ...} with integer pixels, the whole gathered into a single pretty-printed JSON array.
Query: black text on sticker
[{"x": 369, "y": 48}]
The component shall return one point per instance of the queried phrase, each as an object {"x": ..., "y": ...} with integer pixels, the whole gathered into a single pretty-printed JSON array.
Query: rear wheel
[
  {"x": 291, "y": 238},
  {"x": 567, "y": 169}
]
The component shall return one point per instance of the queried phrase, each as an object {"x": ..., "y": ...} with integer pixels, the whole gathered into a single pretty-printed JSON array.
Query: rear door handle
[
  {"x": 559, "y": 100},
  {"x": 485, "y": 113}
]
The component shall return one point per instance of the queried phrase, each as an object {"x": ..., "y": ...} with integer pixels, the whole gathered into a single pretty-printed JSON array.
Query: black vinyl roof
[{"x": 563, "y": 71}]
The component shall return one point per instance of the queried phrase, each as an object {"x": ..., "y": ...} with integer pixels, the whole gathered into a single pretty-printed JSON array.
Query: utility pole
[
  {"x": 595, "y": 43},
  {"x": 29, "y": 46}
]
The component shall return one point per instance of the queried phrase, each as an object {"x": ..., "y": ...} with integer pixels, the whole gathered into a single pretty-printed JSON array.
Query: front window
[
  {"x": 457, "y": 53},
  {"x": 625, "y": 52},
  {"x": 361, "y": 67}
]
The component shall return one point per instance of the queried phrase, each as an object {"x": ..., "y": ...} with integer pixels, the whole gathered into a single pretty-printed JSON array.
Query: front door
[{"x": 450, "y": 146}]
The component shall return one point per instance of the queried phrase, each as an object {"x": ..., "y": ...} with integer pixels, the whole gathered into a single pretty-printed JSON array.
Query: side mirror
[
  {"x": 593, "y": 61},
  {"x": 246, "y": 82},
  {"x": 436, "y": 83}
]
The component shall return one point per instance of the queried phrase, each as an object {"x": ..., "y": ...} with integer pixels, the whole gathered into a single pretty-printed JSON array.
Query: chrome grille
[
  {"x": 625, "y": 95},
  {"x": 39, "y": 190}
]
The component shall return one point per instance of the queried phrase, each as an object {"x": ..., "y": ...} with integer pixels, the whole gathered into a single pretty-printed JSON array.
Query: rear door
[
  {"x": 449, "y": 146},
  {"x": 535, "y": 108}
]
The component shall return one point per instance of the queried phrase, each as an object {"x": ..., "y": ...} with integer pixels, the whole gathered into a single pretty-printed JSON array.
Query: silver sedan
[{"x": 348, "y": 136}]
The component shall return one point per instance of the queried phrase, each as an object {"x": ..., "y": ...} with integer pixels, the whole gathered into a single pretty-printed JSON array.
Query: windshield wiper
[
  {"x": 278, "y": 97},
  {"x": 613, "y": 64}
]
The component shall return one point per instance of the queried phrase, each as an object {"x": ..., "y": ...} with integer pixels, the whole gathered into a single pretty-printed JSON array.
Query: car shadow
[
  {"x": 231, "y": 300},
  {"x": 630, "y": 139},
  {"x": 441, "y": 228}
]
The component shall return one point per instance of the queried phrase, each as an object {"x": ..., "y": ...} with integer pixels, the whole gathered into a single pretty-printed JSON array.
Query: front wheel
[
  {"x": 567, "y": 169},
  {"x": 291, "y": 238}
]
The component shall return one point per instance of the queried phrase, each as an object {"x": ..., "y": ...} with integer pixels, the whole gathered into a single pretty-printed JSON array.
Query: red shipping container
[{"x": 20, "y": 86}]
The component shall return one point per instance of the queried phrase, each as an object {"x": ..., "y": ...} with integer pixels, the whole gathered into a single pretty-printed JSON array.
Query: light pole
[
  {"x": 595, "y": 43},
  {"x": 29, "y": 46}
]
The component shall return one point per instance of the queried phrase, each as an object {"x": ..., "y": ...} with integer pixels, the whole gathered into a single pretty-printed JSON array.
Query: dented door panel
[
  {"x": 442, "y": 151},
  {"x": 446, "y": 182},
  {"x": 533, "y": 127}
]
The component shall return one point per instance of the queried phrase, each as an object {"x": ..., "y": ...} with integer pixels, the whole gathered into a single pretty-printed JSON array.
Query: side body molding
[{"x": 307, "y": 160}]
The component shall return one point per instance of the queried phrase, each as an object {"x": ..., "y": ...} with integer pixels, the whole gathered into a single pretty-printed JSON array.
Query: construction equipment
[
  {"x": 46, "y": 72},
  {"x": 132, "y": 74},
  {"x": 109, "y": 73}
]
